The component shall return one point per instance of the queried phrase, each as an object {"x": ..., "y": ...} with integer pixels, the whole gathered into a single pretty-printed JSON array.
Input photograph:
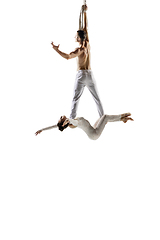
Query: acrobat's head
[
  {"x": 80, "y": 36},
  {"x": 61, "y": 124}
]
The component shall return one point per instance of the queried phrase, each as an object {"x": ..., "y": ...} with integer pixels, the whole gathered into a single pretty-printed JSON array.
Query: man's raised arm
[{"x": 85, "y": 26}]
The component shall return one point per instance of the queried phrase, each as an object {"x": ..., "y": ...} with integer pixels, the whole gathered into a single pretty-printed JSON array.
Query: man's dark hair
[{"x": 82, "y": 34}]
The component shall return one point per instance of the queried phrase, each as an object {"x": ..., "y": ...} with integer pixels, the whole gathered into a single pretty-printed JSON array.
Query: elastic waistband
[{"x": 84, "y": 71}]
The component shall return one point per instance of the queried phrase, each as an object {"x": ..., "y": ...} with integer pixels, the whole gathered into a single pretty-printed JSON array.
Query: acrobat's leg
[
  {"x": 113, "y": 118},
  {"x": 93, "y": 90},
  {"x": 78, "y": 90},
  {"x": 108, "y": 118},
  {"x": 100, "y": 124}
]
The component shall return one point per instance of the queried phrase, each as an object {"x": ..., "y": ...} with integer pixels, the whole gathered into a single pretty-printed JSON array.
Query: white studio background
[{"x": 62, "y": 185}]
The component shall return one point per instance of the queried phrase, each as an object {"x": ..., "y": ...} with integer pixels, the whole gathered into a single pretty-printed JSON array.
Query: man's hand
[
  {"x": 84, "y": 8},
  {"x": 54, "y": 46},
  {"x": 38, "y": 132}
]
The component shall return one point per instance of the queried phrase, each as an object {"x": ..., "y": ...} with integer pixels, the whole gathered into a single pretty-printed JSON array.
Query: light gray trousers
[{"x": 85, "y": 78}]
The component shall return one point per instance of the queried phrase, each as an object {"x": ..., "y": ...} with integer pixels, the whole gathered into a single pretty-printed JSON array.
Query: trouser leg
[
  {"x": 78, "y": 90},
  {"x": 93, "y": 90}
]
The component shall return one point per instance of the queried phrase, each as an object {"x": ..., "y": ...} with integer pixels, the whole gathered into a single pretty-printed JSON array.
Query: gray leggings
[
  {"x": 95, "y": 131},
  {"x": 98, "y": 127}
]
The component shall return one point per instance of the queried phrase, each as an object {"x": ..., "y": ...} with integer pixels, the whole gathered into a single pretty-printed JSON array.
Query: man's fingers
[{"x": 131, "y": 119}]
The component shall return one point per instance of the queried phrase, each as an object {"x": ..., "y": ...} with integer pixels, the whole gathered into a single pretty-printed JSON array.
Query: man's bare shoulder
[{"x": 78, "y": 50}]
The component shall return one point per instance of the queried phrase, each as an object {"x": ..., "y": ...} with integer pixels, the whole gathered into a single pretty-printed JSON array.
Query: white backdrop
[{"x": 62, "y": 185}]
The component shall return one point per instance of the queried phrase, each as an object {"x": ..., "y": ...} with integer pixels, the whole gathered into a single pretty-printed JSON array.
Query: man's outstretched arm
[{"x": 71, "y": 55}]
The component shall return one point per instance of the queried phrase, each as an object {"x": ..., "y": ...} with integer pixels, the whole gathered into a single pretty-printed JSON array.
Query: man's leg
[
  {"x": 78, "y": 90},
  {"x": 93, "y": 90}
]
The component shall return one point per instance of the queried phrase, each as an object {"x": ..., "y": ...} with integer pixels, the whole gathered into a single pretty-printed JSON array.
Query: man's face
[{"x": 77, "y": 38}]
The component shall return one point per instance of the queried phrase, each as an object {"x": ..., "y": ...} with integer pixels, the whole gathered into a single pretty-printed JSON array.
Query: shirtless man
[{"x": 84, "y": 75}]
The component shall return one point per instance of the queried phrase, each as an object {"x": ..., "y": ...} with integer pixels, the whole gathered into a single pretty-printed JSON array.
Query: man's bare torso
[{"x": 83, "y": 60}]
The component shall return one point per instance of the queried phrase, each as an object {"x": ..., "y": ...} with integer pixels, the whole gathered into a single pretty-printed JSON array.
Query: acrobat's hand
[
  {"x": 66, "y": 122},
  {"x": 84, "y": 8},
  {"x": 54, "y": 46},
  {"x": 38, "y": 132}
]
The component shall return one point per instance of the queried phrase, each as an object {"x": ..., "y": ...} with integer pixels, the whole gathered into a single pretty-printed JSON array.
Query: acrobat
[
  {"x": 84, "y": 75},
  {"x": 94, "y": 131}
]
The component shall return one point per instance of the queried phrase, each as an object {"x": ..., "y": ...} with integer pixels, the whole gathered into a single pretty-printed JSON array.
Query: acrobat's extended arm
[
  {"x": 75, "y": 53},
  {"x": 47, "y": 128},
  {"x": 85, "y": 28}
]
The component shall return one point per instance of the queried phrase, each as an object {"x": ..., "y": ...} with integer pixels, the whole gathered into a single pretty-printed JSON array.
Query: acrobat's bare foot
[
  {"x": 125, "y": 117},
  {"x": 38, "y": 132}
]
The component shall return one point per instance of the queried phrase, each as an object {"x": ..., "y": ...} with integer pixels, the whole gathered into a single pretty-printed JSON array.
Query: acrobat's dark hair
[
  {"x": 82, "y": 34},
  {"x": 60, "y": 127}
]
